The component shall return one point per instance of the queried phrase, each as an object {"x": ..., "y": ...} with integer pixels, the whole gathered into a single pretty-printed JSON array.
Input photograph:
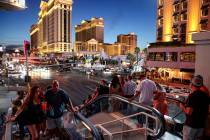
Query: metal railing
[
  {"x": 152, "y": 113},
  {"x": 126, "y": 120}
]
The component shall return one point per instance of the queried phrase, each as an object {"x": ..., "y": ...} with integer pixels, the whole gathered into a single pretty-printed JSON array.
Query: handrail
[
  {"x": 94, "y": 131},
  {"x": 139, "y": 105},
  {"x": 130, "y": 116}
]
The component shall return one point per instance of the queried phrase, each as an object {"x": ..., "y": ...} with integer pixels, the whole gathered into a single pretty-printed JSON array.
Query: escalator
[
  {"x": 80, "y": 128},
  {"x": 112, "y": 117},
  {"x": 117, "y": 118}
]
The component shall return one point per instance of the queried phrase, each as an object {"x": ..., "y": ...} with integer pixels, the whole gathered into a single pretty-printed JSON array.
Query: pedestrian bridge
[{"x": 12, "y": 4}]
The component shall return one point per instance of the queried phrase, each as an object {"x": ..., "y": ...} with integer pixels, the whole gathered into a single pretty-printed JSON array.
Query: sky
[{"x": 120, "y": 17}]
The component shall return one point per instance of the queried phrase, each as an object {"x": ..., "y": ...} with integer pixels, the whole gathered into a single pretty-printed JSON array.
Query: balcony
[
  {"x": 205, "y": 2},
  {"x": 12, "y": 4},
  {"x": 204, "y": 24},
  {"x": 176, "y": 1}
]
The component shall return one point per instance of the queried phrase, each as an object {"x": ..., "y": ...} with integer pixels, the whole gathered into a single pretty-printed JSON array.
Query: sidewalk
[{"x": 7, "y": 96}]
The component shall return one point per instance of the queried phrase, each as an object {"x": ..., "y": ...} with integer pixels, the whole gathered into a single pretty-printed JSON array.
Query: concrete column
[{"x": 202, "y": 66}]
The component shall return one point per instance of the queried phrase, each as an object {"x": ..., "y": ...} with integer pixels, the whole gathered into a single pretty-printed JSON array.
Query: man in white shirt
[{"x": 146, "y": 89}]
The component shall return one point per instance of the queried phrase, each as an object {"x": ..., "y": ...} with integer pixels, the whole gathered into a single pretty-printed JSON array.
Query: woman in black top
[{"x": 30, "y": 113}]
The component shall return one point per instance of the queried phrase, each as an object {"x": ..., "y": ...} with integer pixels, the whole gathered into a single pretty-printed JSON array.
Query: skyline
[{"x": 117, "y": 20}]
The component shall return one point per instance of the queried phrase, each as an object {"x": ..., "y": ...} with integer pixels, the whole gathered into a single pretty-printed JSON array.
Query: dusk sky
[{"x": 121, "y": 17}]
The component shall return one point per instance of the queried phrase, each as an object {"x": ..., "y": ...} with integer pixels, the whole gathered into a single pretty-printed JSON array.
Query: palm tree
[{"x": 137, "y": 50}]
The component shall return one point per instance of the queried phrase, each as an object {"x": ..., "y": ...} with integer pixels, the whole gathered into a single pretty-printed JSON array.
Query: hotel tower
[
  {"x": 173, "y": 53},
  {"x": 53, "y": 32}
]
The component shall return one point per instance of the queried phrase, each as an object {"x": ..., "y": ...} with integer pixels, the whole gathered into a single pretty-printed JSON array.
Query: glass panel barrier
[{"x": 85, "y": 129}]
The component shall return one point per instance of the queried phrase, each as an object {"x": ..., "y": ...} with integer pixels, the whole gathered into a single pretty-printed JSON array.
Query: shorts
[
  {"x": 190, "y": 133},
  {"x": 54, "y": 123}
]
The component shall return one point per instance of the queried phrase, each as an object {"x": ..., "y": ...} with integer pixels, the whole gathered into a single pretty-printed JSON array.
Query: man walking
[{"x": 146, "y": 89}]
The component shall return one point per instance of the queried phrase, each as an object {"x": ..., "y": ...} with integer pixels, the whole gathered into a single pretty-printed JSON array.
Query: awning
[{"x": 187, "y": 70}]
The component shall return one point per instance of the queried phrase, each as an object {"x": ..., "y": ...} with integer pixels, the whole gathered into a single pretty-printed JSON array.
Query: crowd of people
[{"x": 42, "y": 111}]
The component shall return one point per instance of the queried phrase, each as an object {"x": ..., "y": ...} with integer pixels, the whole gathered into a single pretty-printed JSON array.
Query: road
[{"x": 77, "y": 85}]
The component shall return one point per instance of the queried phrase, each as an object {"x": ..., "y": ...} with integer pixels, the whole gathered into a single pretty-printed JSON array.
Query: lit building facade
[
  {"x": 88, "y": 35},
  {"x": 128, "y": 43},
  {"x": 174, "y": 51},
  {"x": 34, "y": 34},
  {"x": 53, "y": 27}
]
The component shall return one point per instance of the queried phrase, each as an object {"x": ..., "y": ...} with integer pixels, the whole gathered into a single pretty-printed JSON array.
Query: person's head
[
  {"x": 201, "y": 77},
  {"x": 115, "y": 79},
  {"x": 103, "y": 82},
  {"x": 35, "y": 92},
  {"x": 20, "y": 94},
  {"x": 55, "y": 85},
  {"x": 129, "y": 77},
  {"x": 142, "y": 76},
  {"x": 196, "y": 82}
]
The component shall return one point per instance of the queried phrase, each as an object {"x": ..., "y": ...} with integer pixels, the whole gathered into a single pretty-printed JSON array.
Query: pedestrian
[
  {"x": 129, "y": 88},
  {"x": 196, "y": 110},
  {"x": 30, "y": 113},
  {"x": 115, "y": 86},
  {"x": 145, "y": 90},
  {"x": 57, "y": 100},
  {"x": 160, "y": 103},
  {"x": 103, "y": 88}
]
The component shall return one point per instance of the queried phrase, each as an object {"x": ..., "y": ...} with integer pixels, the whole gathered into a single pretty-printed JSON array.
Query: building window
[
  {"x": 160, "y": 56},
  {"x": 205, "y": 12},
  {"x": 160, "y": 12},
  {"x": 175, "y": 30},
  {"x": 171, "y": 56},
  {"x": 204, "y": 25},
  {"x": 183, "y": 28},
  {"x": 160, "y": 22},
  {"x": 205, "y": 1},
  {"x": 160, "y": 2},
  {"x": 151, "y": 56},
  {"x": 176, "y": 18},
  {"x": 159, "y": 33},
  {"x": 184, "y": 16},
  {"x": 187, "y": 57},
  {"x": 184, "y": 5},
  {"x": 176, "y": 8}
]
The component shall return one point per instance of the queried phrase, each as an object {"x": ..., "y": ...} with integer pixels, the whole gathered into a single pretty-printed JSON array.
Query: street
[{"x": 77, "y": 85}]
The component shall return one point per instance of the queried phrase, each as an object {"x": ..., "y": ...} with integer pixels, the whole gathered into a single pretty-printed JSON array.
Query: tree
[
  {"x": 137, "y": 50},
  {"x": 131, "y": 58}
]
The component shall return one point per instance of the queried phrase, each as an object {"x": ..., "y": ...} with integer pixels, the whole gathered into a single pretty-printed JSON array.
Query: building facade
[
  {"x": 177, "y": 20},
  {"x": 88, "y": 35},
  {"x": 128, "y": 43},
  {"x": 53, "y": 27},
  {"x": 174, "y": 52}
]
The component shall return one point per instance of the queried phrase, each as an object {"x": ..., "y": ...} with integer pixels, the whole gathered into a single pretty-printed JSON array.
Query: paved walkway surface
[{"x": 5, "y": 98}]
